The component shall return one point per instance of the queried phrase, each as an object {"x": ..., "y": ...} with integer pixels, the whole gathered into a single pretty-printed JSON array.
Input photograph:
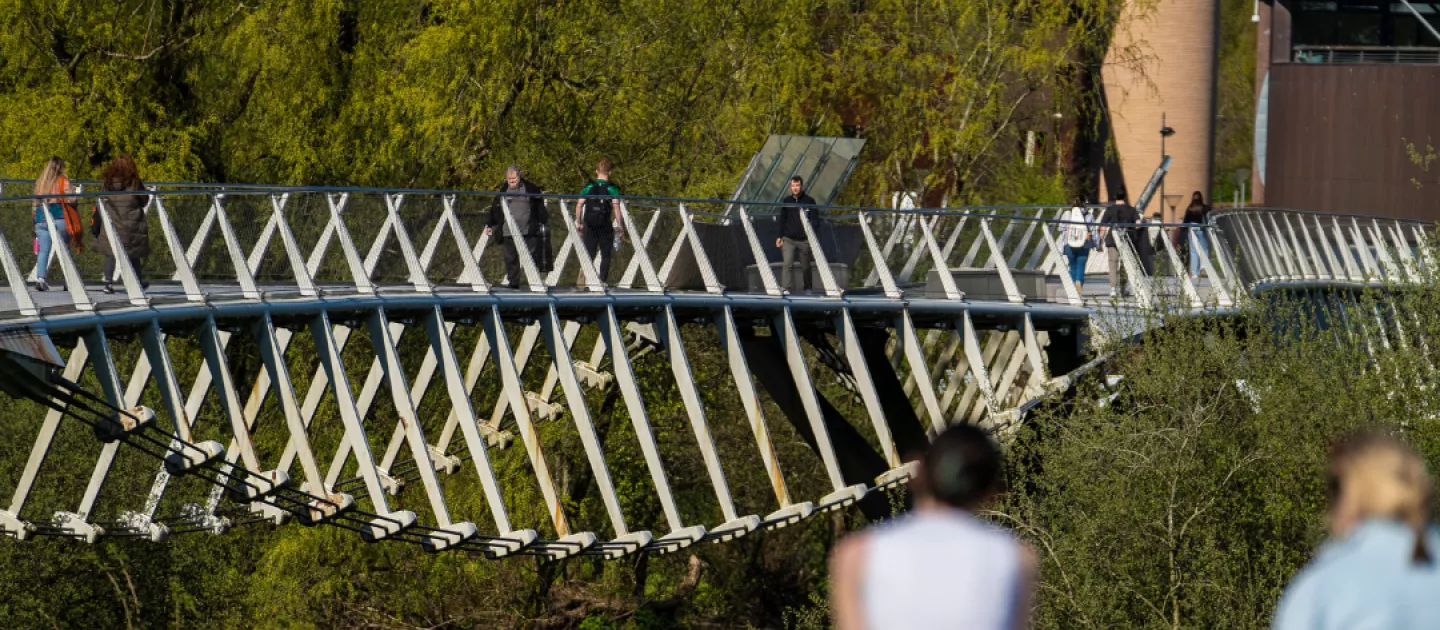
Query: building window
[{"x": 1367, "y": 23}]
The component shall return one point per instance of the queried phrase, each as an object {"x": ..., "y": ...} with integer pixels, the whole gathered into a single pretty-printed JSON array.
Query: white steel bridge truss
[{"x": 987, "y": 347}]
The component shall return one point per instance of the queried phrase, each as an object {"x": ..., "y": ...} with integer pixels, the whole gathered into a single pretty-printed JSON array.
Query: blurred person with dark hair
[
  {"x": 1378, "y": 569},
  {"x": 940, "y": 566},
  {"x": 1147, "y": 242},
  {"x": 127, "y": 215}
]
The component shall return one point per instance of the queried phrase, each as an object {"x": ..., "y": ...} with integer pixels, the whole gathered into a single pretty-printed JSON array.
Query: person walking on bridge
[
  {"x": 1119, "y": 215},
  {"x": 597, "y": 218},
  {"x": 127, "y": 215},
  {"x": 1380, "y": 568},
  {"x": 940, "y": 566},
  {"x": 1079, "y": 240},
  {"x": 52, "y": 181},
  {"x": 1197, "y": 214},
  {"x": 531, "y": 219},
  {"x": 793, "y": 238}
]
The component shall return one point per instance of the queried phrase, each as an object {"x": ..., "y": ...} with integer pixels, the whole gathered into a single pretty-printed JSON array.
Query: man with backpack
[
  {"x": 531, "y": 217},
  {"x": 1122, "y": 216},
  {"x": 597, "y": 218}
]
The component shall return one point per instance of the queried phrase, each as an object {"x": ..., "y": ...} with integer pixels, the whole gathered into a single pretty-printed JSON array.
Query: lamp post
[
  {"x": 1173, "y": 201},
  {"x": 1165, "y": 132},
  {"x": 1239, "y": 177}
]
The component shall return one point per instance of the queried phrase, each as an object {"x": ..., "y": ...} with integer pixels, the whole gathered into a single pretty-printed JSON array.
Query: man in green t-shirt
[{"x": 597, "y": 218}]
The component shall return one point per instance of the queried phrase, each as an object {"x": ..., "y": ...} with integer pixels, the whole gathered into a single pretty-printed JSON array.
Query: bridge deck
[{"x": 168, "y": 300}]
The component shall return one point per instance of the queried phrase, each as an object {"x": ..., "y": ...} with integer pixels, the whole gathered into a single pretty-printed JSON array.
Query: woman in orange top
[{"x": 52, "y": 181}]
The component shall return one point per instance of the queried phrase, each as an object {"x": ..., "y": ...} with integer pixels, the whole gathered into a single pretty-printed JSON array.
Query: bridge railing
[
  {"x": 245, "y": 242},
  {"x": 237, "y": 247},
  {"x": 1279, "y": 246}
]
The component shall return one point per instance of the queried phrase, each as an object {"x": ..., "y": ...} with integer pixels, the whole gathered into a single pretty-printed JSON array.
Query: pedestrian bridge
[{"x": 250, "y": 295}]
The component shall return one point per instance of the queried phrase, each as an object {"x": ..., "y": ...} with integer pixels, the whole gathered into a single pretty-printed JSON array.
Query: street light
[
  {"x": 1239, "y": 178},
  {"x": 1165, "y": 132}
]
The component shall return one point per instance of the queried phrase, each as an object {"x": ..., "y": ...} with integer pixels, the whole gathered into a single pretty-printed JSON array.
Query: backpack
[
  {"x": 73, "y": 227},
  {"x": 1077, "y": 234},
  {"x": 598, "y": 203}
]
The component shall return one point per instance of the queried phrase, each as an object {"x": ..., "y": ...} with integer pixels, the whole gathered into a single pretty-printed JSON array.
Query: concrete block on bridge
[
  {"x": 841, "y": 273},
  {"x": 985, "y": 284}
]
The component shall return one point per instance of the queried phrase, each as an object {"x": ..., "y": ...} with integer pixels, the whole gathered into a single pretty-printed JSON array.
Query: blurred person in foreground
[
  {"x": 1378, "y": 569},
  {"x": 940, "y": 566}
]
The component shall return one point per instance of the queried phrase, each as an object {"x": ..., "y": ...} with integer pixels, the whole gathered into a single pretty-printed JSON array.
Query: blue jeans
[
  {"x": 1201, "y": 241},
  {"x": 43, "y": 234},
  {"x": 1077, "y": 256}
]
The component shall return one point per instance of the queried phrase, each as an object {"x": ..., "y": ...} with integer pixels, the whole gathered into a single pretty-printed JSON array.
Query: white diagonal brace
[
  {"x": 614, "y": 341},
  {"x": 750, "y": 400},
  {"x": 461, "y": 408},
  {"x": 795, "y": 359},
  {"x": 510, "y": 381},
  {"x": 690, "y": 397},
  {"x": 916, "y": 358},
  {"x": 580, "y": 413},
  {"x": 378, "y": 325},
  {"x": 855, "y": 356}
]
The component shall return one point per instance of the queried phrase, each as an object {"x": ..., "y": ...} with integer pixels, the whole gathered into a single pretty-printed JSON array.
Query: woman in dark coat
[
  {"x": 1197, "y": 214},
  {"x": 127, "y": 216}
]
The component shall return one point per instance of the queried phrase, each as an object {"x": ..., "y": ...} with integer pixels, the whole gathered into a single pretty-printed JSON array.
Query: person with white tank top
[{"x": 939, "y": 566}]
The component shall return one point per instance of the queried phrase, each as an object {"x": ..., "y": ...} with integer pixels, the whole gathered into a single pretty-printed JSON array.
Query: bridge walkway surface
[{"x": 916, "y": 319}]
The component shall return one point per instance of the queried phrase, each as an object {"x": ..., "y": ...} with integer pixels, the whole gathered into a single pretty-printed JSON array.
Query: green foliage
[
  {"x": 1193, "y": 497},
  {"x": 1419, "y": 159},
  {"x": 679, "y": 93},
  {"x": 445, "y": 94},
  {"x": 1235, "y": 94}
]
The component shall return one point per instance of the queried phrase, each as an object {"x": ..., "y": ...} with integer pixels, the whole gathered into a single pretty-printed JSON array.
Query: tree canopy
[{"x": 445, "y": 93}]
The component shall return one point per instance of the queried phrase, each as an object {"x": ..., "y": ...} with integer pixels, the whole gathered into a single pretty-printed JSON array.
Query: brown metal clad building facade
[{"x": 1335, "y": 138}]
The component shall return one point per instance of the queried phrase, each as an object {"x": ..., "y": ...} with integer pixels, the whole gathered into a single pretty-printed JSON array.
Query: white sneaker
[{"x": 1114, "y": 292}]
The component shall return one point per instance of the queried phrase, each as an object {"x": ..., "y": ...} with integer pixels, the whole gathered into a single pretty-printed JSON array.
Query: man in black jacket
[
  {"x": 1119, "y": 216},
  {"x": 793, "y": 238},
  {"x": 531, "y": 219}
]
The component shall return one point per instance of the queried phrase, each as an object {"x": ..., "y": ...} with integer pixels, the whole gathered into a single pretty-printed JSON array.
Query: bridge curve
[{"x": 263, "y": 267}]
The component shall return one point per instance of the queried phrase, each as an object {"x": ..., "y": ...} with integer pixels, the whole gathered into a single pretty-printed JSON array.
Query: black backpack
[{"x": 598, "y": 205}]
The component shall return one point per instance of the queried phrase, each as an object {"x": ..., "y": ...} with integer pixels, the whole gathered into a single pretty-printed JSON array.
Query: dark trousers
[
  {"x": 1146, "y": 251},
  {"x": 603, "y": 238},
  {"x": 135, "y": 263},
  {"x": 513, "y": 271}
]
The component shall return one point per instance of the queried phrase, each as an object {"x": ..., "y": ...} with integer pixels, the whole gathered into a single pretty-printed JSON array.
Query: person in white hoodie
[{"x": 1079, "y": 231}]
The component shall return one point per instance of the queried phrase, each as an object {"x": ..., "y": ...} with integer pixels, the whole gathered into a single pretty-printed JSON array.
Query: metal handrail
[
  {"x": 978, "y": 211},
  {"x": 1367, "y": 54}
]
